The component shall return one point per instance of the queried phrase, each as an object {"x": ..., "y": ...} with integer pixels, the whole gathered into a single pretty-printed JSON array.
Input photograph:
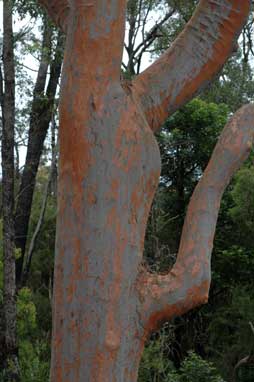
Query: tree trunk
[
  {"x": 108, "y": 172},
  {"x": 9, "y": 347},
  {"x": 105, "y": 302}
]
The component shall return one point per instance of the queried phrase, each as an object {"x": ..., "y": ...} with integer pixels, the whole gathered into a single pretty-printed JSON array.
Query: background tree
[
  {"x": 9, "y": 356},
  {"x": 143, "y": 31},
  {"x": 42, "y": 110},
  {"x": 16, "y": 216}
]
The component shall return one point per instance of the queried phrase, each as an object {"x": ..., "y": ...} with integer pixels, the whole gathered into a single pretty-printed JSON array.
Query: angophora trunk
[
  {"x": 105, "y": 303},
  {"x": 109, "y": 170}
]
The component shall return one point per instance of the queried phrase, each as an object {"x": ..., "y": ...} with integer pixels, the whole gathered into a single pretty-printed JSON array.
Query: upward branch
[
  {"x": 193, "y": 60},
  {"x": 58, "y": 10},
  {"x": 187, "y": 284}
]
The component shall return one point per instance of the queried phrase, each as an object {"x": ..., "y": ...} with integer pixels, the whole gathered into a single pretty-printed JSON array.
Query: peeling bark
[{"x": 105, "y": 303}]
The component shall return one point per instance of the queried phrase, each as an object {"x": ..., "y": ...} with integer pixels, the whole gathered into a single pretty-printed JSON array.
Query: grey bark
[{"x": 9, "y": 356}]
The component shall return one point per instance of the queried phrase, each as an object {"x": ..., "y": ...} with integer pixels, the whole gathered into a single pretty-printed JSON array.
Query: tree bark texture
[
  {"x": 9, "y": 347},
  {"x": 105, "y": 302}
]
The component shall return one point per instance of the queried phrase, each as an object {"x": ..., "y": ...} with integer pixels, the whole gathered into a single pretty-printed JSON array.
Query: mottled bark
[
  {"x": 9, "y": 355},
  {"x": 41, "y": 114},
  {"x": 105, "y": 303}
]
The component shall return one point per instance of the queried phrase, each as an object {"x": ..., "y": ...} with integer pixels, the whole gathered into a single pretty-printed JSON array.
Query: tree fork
[
  {"x": 187, "y": 284},
  {"x": 105, "y": 303}
]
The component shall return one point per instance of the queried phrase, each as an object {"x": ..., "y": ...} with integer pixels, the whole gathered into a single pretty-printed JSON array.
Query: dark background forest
[{"x": 213, "y": 343}]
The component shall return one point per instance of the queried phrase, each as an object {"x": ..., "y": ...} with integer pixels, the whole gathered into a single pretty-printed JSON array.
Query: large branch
[
  {"x": 58, "y": 11},
  {"x": 194, "y": 59},
  {"x": 187, "y": 284}
]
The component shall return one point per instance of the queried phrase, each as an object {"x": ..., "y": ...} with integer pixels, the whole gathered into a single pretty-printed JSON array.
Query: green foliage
[
  {"x": 156, "y": 367},
  {"x": 34, "y": 353},
  {"x": 34, "y": 302},
  {"x": 28, "y": 7},
  {"x": 235, "y": 86},
  {"x": 245, "y": 373},
  {"x": 229, "y": 335},
  {"x": 242, "y": 212},
  {"x": 196, "y": 369},
  {"x": 34, "y": 350},
  {"x": 33, "y": 305},
  {"x": 186, "y": 143},
  {"x": 233, "y": 266},
  {"x": 170, "y": 30},
  {"x": 26, "y": 313},
  {"x": 34, "y": 361},
  {"x": 190, "y": 134}
]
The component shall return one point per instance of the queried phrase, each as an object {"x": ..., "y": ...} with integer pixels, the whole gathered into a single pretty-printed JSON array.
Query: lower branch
[{"x": 187, "y": 284}]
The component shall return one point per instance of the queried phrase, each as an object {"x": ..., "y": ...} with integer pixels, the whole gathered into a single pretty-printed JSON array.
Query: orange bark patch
[
  {"x": 111, "y": 217},
  {"x": 91, "y": 194},
  {"x": 114, "y": 190},
  {"x": 195, "y": 296}
]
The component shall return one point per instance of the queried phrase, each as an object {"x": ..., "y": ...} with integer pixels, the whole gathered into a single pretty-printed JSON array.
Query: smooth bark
[{"x": 105, "y": 302}]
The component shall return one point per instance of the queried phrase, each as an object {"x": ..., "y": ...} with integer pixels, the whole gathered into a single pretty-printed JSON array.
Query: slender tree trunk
[
  {"x": 40, "y": 222},
  {"x": 105, "y": 302},
  {"x": 9, "y": 349},
  {"x": 41, "y": 113}
]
